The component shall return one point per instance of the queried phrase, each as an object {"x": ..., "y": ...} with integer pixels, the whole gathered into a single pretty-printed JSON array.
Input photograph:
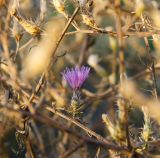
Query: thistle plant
[
  {"x": 118, "y": 39},
  {"x": 75, "y": 77},
  {"x": 146, "y": 132}
]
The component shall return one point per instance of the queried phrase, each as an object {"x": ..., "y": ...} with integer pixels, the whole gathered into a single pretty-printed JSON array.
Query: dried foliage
[{"x": 79, "y": 78}]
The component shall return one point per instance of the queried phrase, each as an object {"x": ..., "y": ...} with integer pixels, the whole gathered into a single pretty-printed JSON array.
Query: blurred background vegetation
[{"x": 118, "y": 39}]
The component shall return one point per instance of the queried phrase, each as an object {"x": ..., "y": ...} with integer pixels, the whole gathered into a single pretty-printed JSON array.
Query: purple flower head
[{"x": 76, "y": 76}]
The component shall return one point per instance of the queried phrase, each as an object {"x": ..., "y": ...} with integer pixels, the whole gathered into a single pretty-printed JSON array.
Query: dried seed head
[
  {"x": 145, "y": 135},
  {"x": 88, "y": 20},
  {"x": 29, "y": 26},
  {"x": 121, "y": 110},
  {"x": 109, "y": 125},
  {"x": 59, "y": 6},
  {"x": 122, "y": 119},
  {"x": 146, "y": 132}
]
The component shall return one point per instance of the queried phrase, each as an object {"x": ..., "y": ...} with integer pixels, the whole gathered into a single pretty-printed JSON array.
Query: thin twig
[
  {"x": 114, "y": 34},
  {"x": 86, "y": 129},
  {"x": 26, "y": 44}
]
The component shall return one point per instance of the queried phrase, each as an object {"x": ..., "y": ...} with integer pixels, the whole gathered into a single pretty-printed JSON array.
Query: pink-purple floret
[{"x": 76, "y": 76}]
